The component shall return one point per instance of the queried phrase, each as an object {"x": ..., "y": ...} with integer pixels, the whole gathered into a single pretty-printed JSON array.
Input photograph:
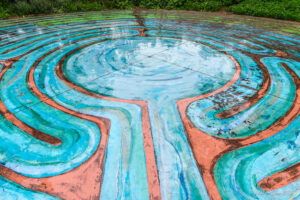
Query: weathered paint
[{"x": 140, "y": 105}]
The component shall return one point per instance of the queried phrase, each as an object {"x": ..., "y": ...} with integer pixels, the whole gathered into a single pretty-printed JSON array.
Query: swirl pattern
[{"x": 135, "y": 105}]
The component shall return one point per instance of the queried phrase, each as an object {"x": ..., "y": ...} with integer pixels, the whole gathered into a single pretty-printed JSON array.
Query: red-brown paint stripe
[
  {"x": 70, "y": 28},
  {"x": 21, "y": 125},
  {"x": 9, "y": 50},
  {"x": 200, "y": 169},
  {"x": 152, "y": 173},
  {"x": 252, "y": 100},
  {"x": 141, "y": 22},
  {"x": 209, "y": 149},
  {"x": 30, "y": 51},
  {"x": 87, "y": 177},
  {"x": 199, "y": 141},
  {"x": 263, "y": 89},
  {"x": 12, "y": 118},
  {"x": 82, "y": 182},
  {"x": 281, "y": 179}
]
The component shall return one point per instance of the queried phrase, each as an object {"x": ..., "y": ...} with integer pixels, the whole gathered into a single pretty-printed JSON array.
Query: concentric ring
[{"x": 148, "y": 109}]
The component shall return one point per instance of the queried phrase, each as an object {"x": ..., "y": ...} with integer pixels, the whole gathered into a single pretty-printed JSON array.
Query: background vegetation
[{"x": 280, "y": 9}]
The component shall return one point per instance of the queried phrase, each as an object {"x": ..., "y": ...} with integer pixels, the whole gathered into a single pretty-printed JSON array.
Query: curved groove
[
  {"x": 252, "y": 100},
  {"x": 7, "y": 51},
  {"x": 37, "y": 34},
  {"x": 260, "y": 93},
  {"x": 153, "y": 180},
  {"x": 23, "y": 126},
  {"x": 152, "y": 173},
  {"x": 62, "y": 185},
  {"x": 198, "y": 139},
  {"x": 32, "y": 50},
  {"x": 92, "y": 169},
  {"x": 82, "y": 182},
  {"x": 281, "y": 179},
  {"x": 284, "y": 121},
  {"x": 218, "y": 147}
]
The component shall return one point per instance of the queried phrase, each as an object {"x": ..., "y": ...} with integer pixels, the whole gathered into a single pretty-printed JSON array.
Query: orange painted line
[
  {"x": 209, "y": 149},
  {"x": 260, "y": 93},
  {"x": 205, "y": 147},
  {"x": 252, "y": 100},
  {"x": 70, "y": 27},
  {"x": 141, "y": 22},
  {"x": 217, "y": 146},
  {"x": 21, "y": 125},
  {"x": 87, "y": 177},
  {"x": 281, "y": 179},
  {"x": 9, "y": 50},
  {"x": 284, "y": 121},
  {"x": 263, "y": 89},
  {"x": 32, "y": 50},
  {"x": 82, "y": 182},
  {"x": 152, "y": 173}
]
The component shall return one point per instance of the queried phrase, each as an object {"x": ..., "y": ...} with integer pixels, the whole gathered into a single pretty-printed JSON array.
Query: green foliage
[
  {"x": 3, "y": 13},
  {"x": 71, "y": 6},
  {"x": 125, "y": 4},
  {"x": 281, "y": 9},
  {"x": 34, "y": 7},
  {"x": 175, "y": 4},
  {"x": 204, "y": 6},
  {"x": 153, "y": 4}
]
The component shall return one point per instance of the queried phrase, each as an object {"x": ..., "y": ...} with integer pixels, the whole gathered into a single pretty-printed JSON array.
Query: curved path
[{"x": 139, "y": 106}]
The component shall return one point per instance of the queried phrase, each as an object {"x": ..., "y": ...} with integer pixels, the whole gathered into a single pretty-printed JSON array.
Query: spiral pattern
[{"x": 124, "y": 105}]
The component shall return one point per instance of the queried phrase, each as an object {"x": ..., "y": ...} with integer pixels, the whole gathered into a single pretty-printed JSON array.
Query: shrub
[
  {"x": 154, "y": 4},
  {"x": 32, "y": 7},
  {"x": 280, "y": 9},
  {"x": 204, "y": 6},
  {"x": 3, "y": 13},
  {"x": 69, "y": 6}
]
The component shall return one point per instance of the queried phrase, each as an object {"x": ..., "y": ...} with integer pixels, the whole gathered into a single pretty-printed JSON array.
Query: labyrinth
[{"x": 148, "y": 105}]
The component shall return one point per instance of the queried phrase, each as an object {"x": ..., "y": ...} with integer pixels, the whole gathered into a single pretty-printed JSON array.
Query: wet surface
[{"x": 149, "y": 105}]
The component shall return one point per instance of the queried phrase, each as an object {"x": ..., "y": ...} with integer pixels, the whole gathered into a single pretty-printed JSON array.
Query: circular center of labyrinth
[{"x": 147, "y": 67}]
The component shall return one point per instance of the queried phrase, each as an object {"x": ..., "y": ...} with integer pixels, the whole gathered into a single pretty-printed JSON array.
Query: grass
[{"x": 279, "y": 9}]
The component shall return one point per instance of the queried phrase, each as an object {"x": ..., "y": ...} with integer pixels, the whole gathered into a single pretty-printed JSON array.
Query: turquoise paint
[{"x": 172, "y": 63}]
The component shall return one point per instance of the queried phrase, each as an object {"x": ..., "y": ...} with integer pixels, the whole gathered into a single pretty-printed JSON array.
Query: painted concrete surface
[{"x": 148, "y": 105}]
